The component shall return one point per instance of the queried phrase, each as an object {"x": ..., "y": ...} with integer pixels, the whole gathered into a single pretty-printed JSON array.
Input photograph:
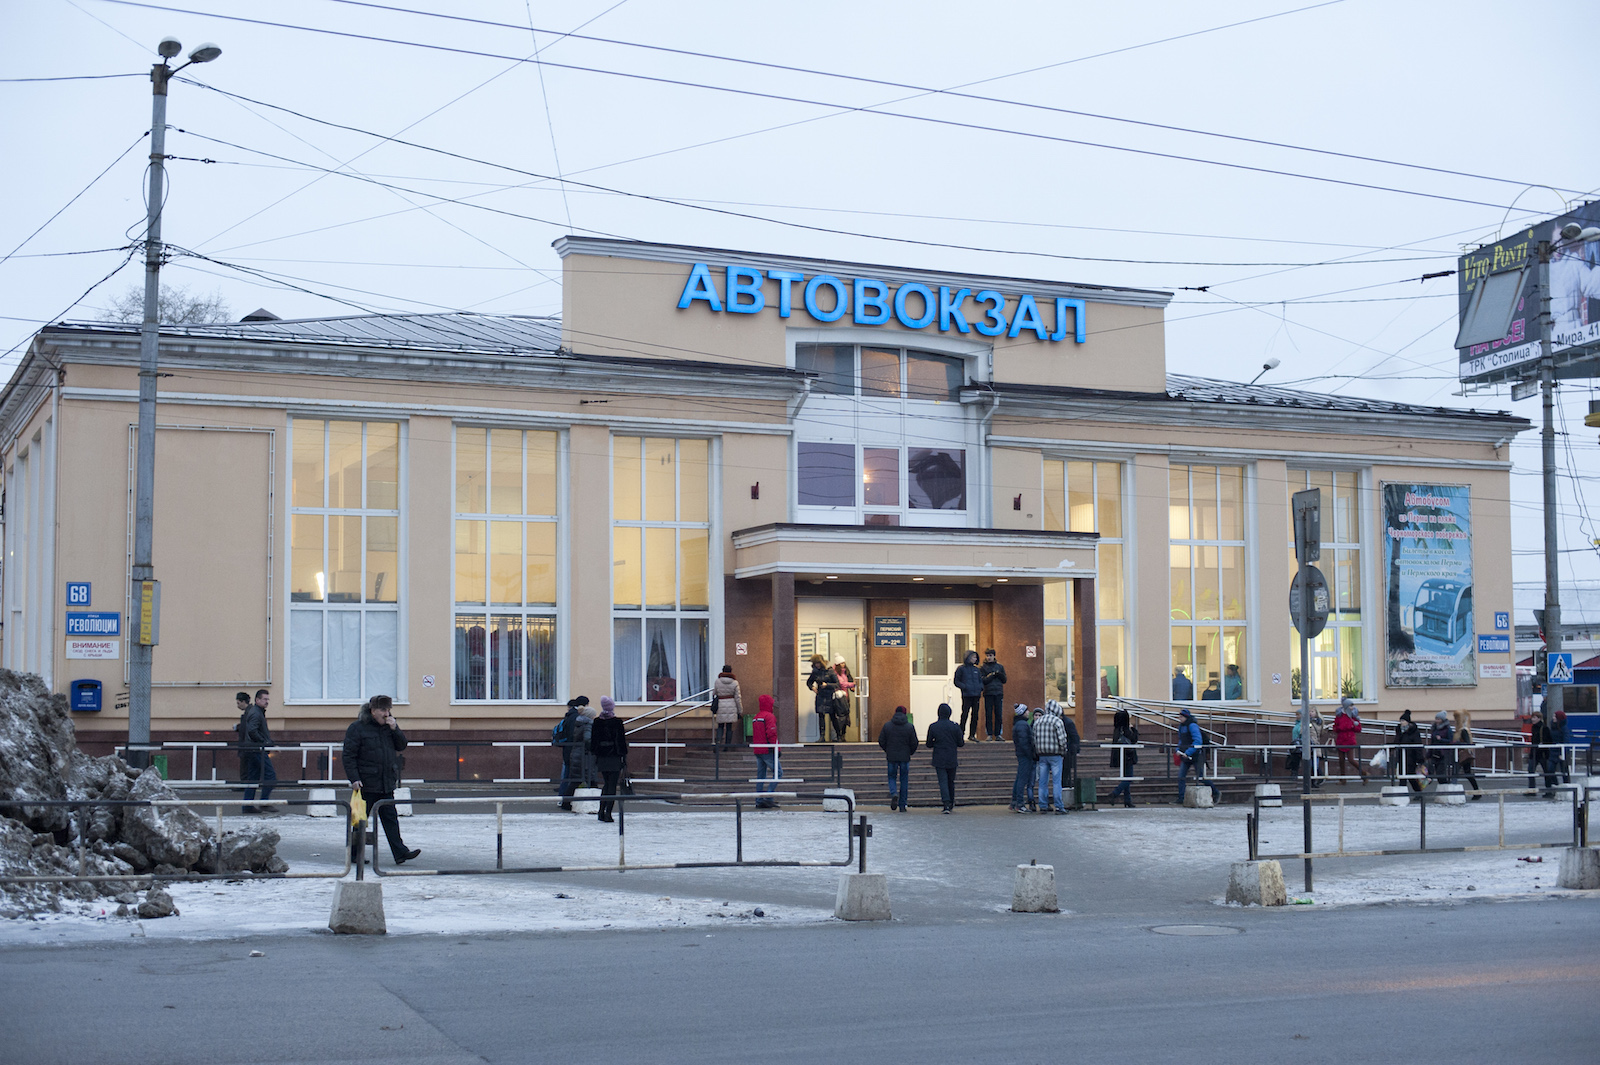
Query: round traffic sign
[{"x": 1321, "y": 601}]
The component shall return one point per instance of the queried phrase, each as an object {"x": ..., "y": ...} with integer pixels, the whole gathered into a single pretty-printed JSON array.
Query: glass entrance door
[{"x": 934, "y": 658}]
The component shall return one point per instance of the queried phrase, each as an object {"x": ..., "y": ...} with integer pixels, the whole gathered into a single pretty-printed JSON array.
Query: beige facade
[{"x": 485, "y": 517}]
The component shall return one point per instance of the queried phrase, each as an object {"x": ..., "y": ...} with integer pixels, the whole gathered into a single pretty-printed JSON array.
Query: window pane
[
  {"x": 541, "y": 658},
  {"x": 383, "y": 647},
  {"x": 694, "y": 478},
  {"x": 1182, "y": 600},
  {"x": 660, "y": 667},
  {"x": 1208, "y": 663},
  {"x": 383, "y": 560},
  {"x": 660, "y": 568},
  {"x": 505, "y": 562},
  {"x": 1350, "y": 668},
  {"x": 1234, "y": 648},
  {"x": 937, "y": 377},
  {"x": 1178, "y": 503},
  {"x": 344, "y": 654},
  {"x": 1055, "y": 495},
  {"x": 1347, "y": 584},
  {"x": 541, "y": 473},
  {"x": 344, "y": 559},
  {"x": 834, "y": 365},
  {"x": 307, "y": 581},
  {"x": 1230, "y": 519},
  {"x": 1325, "y": 665},
  {"x": 472, "y": 558},
  {"x": 696, "y": 655},
  {"x": 306, "y": 490},
  {"x": 471, "y": 656},
  {"x": 505, "y": 656},
  {"x": 660, "y": 480},
  {"x": 930, "y": 654},
  {"x": 1057, "y": 662},
  {"x": 625, "y": 478},
  {"x": 826, "y": 475},
  {"x": 344, "y": 465},
  {"x": 1108, "y": 603},
  {"x": 1346, "y": 523},
  {"x": 383, "y": 466},
  {"x": 627, "y": 652},
  {"x": 1113, "y": 659},
  {"x": 1203, "y": 483},
  {"x": 1055, "y": 601},
  {"x": 1108, "y": 490},
  {"x": 881, "y": 476},
  {"x": 541, "y": 562},
  {"x": 693, "y": 544},
  {"x": 1207, "y": 592},
  {"x": 627, "y": 570},
  {"x": 305, "y": 654},
  {"x": 505, "y": 471},
  {"x": 880, "y": 372},
  {"x": 472, "y": 470},
  {"x": 1080, "y": 496},
  {"x": 1233, "y": 583},
  {"x": 1182, "y": 664},
  {"x": 937, "y": 478}
]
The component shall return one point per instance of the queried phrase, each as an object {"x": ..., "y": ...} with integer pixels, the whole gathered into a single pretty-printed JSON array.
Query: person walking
[
  {"x": 944, "y": 736},
  {"x": 372, "y": 746},
  {"x": 608, "y": 742},
  {"x": 574, "y": 748},
  {"x": 898, "y": 738},
  {"x": 994, "y": 693},
  {"x": 726, "y": 706},
  {"x": 1070, "y": 748},
  {"x": 1346, "y": 730},
  {"x": 1025, "y": 789},
  {"x": 1191, "y": 749},
  {"x": 255, "y": 738},
  {"x": 1123, "y": 731},
  {"x": 824, "y": 682},
  {"x": 1049, "y": 744},
  {"x": 764, "y": 745},
  {"x": 1408, "y": 738},
  {"x": 1441, "y": 748},
  {"x": 841, "y": 696},
  {"x": 969, "y": 682},
  {"x": 1556, "y": 755},
  {"x": 1466, "y": 759}
]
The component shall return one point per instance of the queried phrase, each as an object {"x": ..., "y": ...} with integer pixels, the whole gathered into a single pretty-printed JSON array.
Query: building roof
[{"x": 455, "y": 331}]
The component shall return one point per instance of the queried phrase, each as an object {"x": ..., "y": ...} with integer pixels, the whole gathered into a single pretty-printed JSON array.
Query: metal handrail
[{"x": 699, "y": 699}]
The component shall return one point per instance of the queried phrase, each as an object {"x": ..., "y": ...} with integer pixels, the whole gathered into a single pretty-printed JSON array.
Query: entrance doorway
[
  {"x": 941, "y": 635},
  {"x": 832, "y": 628}
]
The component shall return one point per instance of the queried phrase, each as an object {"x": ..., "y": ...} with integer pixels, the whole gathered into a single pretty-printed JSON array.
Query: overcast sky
[{"x": 1067, "y": 168}]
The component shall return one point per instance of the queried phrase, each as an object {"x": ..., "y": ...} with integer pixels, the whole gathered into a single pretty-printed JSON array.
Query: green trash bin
[
  {"x": 160, "y": 762},
  {"x": 1085, "y": 794}
]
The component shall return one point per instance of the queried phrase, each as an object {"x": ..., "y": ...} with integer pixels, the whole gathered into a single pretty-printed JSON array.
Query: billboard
[
  {"x": 1427, "y": 550},
  {"x": 1499, "y": 299}
]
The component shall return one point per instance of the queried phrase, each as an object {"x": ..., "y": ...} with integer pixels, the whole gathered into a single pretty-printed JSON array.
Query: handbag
[{"x": 841, "y": 699}]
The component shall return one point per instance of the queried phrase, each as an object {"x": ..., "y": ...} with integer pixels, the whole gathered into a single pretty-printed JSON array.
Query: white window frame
[
  {"x": 1364, "y": 494},
  {"x": 1248, "y": 596}
]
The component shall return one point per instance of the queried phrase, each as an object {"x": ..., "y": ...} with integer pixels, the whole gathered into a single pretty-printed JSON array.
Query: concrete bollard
[
  {"x": 402, "y": 802},
  {"x": 1395, "y": 795},
  {"x": 1198, "y": 798},
  {"x": 1033, "y": 890},
  {"x": 326, "y": 797},
  {"x": 1580, "y": 868},
  {"x": 1257, "y": 884},
  {"x": 1269, "y": 794},
  {"x": 837, "y": 804},
  {"x": 862, "y": 897},
  {"x": 586, "y": 800},
  {"x": 358, "y": 908},
  {"x": 1451, "y": 794}
]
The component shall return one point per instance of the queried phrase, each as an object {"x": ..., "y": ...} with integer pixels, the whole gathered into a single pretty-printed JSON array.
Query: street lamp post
[{"x": 146, "y": 596}]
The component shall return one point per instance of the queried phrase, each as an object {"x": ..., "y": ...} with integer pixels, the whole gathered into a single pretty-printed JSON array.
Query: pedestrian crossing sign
[{"x": 1561, "y": 667}]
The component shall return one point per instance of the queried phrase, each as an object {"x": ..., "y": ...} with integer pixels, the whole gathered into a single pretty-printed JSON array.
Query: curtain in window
[
  {"x": 344, "y": 654},
  {"x": 382, "y": 641},
  {"x": 305, "y": 654},
  {"x": 626, "y": 657},
  {"x": 696, "y": 639}
]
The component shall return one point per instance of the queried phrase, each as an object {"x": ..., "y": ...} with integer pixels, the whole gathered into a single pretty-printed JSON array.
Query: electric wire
[{"x": 76, "y": 196}]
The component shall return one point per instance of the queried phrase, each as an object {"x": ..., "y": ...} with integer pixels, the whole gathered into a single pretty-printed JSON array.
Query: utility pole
[{"x": 1552, "y": 578}]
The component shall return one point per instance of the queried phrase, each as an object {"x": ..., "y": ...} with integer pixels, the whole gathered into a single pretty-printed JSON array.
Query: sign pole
[
  {"x": 1547, "y": 439},
  {"x": 1306, "y": 750}
]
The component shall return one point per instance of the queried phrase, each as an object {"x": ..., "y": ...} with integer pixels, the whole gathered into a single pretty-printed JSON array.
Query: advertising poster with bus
[{"x": 1427, "y": 550}]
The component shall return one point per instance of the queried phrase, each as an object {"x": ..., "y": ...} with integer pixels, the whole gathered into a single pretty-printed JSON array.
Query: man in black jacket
[
  {"x": 254, "y": 738},
  {"x": 994, "y": 691},
  {"x": 898, "y": 738},
  {"x": 944, "y": 736},
  {"x": 372, "y": 746}
]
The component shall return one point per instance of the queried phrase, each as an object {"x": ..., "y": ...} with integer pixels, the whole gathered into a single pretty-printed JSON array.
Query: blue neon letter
[
  {"x": 700, "y": 287},
  {"x": 743, "y": 281},
  {"x": 950, "y": 309},
  {"x": 784, "y": 278},
  {"x": 1027, "y": 317},
  {"x": 879, "y": 302},
  {"x": 996, "y": 313},
  {"x": 841, "y": 298},
  {"x": 1062, "y": 304},
  {"x": 929, "y": 308}
]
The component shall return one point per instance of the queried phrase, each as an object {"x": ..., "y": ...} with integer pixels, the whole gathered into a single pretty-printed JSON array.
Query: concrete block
[
  {"x": 1395, "y": 795},
  {"x": 1033, "y": 890},
  {"x": 358, "y": 908},
  {"x": 1580, "y": 868},
  {"x": 1564, "y": 792},
  {"x": 1269, "y": 794},
  {"x": 586, "y": 800},
  {"x": 326, "y": 796},
  {"x": 1451, "y": 794},
  {"x": 1257, "y": 884},
  {"x": 1198, "y": 798},
  {"x": 837, "y": 805},
  {"x": 862, "y": 897},
  {"x": 401, "y": 804}
]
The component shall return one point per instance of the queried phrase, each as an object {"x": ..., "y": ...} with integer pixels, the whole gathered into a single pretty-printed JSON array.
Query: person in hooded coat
[
  {"x": 727, "y": 704},
  {"x": 968, "y": 680},
  {"x": 1123, "y": 731},
  {"x": 899, "y": 742},
  {"x": 608, "y": 742},
  {"x": 944, "y": 736},
  {"x": 1408, "y": 738},
  {"x": 574, "y": 749},
  {"x": 764, "y": 745},
  {"x": 1025, "y": 788}
]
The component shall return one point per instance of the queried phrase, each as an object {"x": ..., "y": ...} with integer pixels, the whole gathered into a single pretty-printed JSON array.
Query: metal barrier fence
[
  {"x": 853, "y": 831},
  {"x": 1581, "y": 799},
  {"x": 217, "y": 804}
]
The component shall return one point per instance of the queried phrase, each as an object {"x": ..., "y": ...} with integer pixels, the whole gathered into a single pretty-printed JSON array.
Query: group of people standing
[
  {"x": 834, "y": 690},
  {"x": 988, "y": 683},
  {"x": 1046, "y": 743},
  {"x": 898, "y": 738}
]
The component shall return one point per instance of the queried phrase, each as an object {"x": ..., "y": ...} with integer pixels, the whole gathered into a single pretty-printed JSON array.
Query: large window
[
  {"x": 1209, "y": 590},
  {"x": 660, "y": 565},
  {"x": 885, "y": 373},
  {"x": 344, "y": 569},
  {"x": 1337, "y": 662},
  {"x": 1083, "y": 496},
  {"x": 505, "y": 564}
]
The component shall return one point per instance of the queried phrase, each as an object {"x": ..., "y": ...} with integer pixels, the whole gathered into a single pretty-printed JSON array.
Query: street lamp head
[
  {"x": 169, "y": 47},
  {"x": 1590, "y": 234},
  {"x": 205, "y": 53},
  {"x": 1272, "y": 363},
  {"x": 1570, "y": 231}
]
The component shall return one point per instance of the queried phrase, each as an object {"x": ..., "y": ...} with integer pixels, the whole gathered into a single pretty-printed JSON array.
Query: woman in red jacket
[
  {"x": 1346, "y": 733},
  {"x": 764, "y": 745}
]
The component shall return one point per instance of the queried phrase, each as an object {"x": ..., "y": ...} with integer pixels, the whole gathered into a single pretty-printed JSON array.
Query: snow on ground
[{"x": 1181, "y": 846}]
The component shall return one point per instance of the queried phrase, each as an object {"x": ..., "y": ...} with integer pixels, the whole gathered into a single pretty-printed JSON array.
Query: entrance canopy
[{"x": 887, "y": 553}]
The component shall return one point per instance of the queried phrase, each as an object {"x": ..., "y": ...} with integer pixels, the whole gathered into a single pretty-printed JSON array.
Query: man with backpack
[
  {"x": 1191, "y": 752},
  {"x": 571, "y": 736}
]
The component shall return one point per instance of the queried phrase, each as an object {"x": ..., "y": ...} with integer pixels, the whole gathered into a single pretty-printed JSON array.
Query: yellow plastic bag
[{"x": 358, "y": 808}]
